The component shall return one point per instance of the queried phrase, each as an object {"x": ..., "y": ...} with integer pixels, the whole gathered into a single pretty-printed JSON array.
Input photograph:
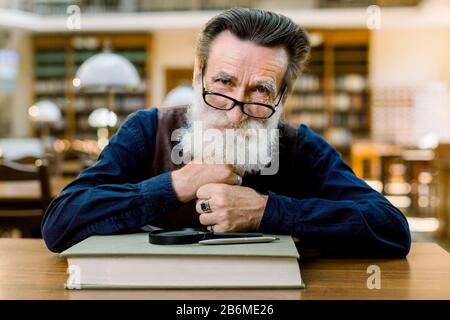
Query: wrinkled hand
[
  {"x": 234, "y": 208},
  {"x": 187, "y": 180}
]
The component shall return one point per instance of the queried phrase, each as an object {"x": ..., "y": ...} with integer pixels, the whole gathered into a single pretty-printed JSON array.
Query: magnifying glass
[{"x": 193, "y": 235}]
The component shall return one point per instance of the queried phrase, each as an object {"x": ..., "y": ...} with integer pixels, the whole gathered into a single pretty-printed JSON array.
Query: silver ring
[
  {"x": 239, "y": 179},
  {"x": 205, "y": 207}
]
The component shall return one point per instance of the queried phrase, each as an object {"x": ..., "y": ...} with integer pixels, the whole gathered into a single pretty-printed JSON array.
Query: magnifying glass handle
[{"x": 221, "y": 235}]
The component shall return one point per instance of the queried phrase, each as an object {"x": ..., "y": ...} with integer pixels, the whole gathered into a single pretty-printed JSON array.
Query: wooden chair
[
  {"x": 19, "y": 213},
  {"x": 72, "y": 162},
  {"x": 30, "y": 160}
]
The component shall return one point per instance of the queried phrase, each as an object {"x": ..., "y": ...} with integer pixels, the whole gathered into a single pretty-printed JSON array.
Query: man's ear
[
  {"x": 286, "y": 94},
  {"x": 196, "y": 77}
]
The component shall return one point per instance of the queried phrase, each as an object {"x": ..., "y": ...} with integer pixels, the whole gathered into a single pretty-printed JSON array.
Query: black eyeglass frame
[{"x": 273, "y": 108}]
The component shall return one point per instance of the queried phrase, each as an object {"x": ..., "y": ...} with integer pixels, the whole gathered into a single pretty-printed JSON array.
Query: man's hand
[
  {"x": 234, "y": 208},
  {"x": 187, "y": 180}
]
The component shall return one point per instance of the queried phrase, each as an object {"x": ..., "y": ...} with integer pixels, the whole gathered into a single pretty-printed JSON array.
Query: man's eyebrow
[
  {"x": 267, "y": 84},
  {"x": 224, "y": 76}
]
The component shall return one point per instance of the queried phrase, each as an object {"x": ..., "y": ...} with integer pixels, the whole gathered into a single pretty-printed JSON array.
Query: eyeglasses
[{"x": 253, "y": 109}]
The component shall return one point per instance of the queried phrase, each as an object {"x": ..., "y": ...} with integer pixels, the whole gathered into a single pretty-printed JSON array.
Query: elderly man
[{"x": 246, "y": 63}]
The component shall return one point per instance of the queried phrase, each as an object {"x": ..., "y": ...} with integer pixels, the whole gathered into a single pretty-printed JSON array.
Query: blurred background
[{"x": 376, "y": 87}]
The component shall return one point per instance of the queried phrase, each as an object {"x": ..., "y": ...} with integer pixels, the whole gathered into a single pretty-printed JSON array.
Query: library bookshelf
[
  {"x": 56, "y": 60},
  {"x": 332, "y": 96}
]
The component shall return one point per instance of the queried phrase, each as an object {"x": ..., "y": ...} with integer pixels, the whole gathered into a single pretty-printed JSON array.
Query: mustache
[{"x": 217, "y": 119}]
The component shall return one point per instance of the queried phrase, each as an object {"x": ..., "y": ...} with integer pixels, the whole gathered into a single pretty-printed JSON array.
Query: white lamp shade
[
  {"x": 107, "y": 71},
  {"x": 102, "y": 118},
  {"x": 44, "y": 111},
  {"x": 180, "y": 95}
]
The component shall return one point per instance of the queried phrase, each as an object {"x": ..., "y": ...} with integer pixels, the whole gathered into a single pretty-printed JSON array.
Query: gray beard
[{"x": 248, "y": 148}]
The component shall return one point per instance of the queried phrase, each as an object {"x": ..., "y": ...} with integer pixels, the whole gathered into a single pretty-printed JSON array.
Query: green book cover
[{"x": 137, "y": 244}]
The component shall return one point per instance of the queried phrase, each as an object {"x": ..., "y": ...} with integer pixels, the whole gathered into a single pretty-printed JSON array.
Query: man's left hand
[{"x": 233, "y": 208}]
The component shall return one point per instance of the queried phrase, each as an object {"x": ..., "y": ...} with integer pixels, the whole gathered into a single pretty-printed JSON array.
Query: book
[{"x": 129, "y": 261}]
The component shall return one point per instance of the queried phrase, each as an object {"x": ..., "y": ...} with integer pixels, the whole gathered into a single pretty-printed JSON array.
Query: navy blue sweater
[{"x": 317, "y": 198}]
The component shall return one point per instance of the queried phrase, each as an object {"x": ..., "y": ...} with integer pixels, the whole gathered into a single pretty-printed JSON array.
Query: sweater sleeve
[
  {"x": 342, "y": 215},
  {"x": 111, "y": 196}
]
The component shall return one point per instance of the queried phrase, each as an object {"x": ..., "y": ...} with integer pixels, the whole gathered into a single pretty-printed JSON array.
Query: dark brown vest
[{"x": 186, "y": 216}]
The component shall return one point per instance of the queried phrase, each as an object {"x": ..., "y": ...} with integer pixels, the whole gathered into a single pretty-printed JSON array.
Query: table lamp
[
  {"x": 44, "y": 114},
  {"x": 107, "y": 72},
  {"x": 180, "y": 95},
  {"x": 102, "y": 119}
]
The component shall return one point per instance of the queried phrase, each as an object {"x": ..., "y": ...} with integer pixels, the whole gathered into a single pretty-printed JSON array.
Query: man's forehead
[{"x": 231, "y": 55}]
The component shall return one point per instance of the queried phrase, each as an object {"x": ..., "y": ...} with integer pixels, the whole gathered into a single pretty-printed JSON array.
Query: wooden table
[
  {"x": 29, "y": 271},
  {"x": 442, "y": 167},
  {"x": 29, "y": 190}
]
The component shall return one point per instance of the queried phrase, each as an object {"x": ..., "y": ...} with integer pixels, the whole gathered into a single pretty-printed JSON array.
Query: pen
[
  {"x": 221, "y": 235},
  {"x": 238, "y": 240}
]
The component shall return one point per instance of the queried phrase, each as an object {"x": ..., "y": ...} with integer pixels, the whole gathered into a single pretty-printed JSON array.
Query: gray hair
[{"x": 264, "y": 28}]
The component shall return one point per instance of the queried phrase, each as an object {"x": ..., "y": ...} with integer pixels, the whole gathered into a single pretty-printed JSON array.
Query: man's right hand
[{"x": 187, "y": 180}]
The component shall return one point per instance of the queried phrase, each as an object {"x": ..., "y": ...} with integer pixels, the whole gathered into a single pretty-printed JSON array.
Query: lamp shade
[
  {"x": 44, "y": 111},
  {"x": 102, "y": 118},
  {"x": 107, "y": 71},
  {"x": 180, "y": 95}
]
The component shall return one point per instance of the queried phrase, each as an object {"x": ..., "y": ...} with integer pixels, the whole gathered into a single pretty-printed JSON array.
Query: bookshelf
[
  {"x": 176, "y": 77},
  {"x": 332, "y": 95},
  {"x": 58, "y": 57}
]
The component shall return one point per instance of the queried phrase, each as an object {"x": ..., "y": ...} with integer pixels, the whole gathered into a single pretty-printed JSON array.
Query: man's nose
[{"x": 236, "y": 115}]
